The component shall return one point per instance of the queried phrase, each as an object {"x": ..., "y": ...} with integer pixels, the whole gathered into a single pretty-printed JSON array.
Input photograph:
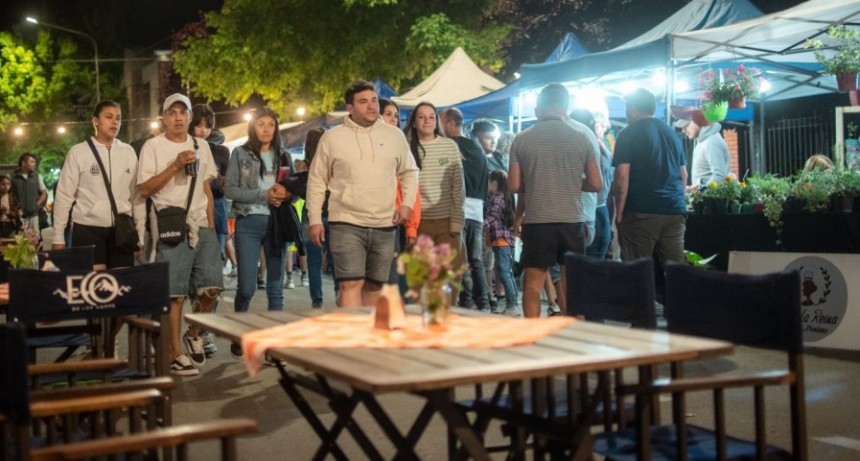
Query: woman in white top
[{"x": 81, "y": 189}]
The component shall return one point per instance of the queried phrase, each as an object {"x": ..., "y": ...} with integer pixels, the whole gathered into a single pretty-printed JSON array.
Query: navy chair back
[
  {"x": 753, "y": 310},
  {"x": 611, "y": 290},
  {"x": 68, "y": 259},
  {"x": 36, "y": 296}
]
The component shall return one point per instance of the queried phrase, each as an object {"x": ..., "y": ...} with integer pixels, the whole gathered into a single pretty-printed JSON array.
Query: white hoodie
[{"x": 360, "y": 166}]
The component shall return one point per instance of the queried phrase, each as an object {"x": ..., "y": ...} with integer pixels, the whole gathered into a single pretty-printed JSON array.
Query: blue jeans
[
  {"x": 602, "y": 234},
  {"x": 314, "y": 254},
  {"x": 475, "y": 279},
  {"x": 504, "y": 273},
  {"x": 250, "y": 235}
]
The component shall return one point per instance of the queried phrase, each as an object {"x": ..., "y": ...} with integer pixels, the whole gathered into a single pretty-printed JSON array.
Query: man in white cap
[
  {"x": 175, "y": 171},
  {"x": 711, "y": 154}
]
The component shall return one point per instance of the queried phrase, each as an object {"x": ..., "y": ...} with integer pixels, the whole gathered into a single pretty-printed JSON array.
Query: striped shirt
[
  {"x": 441, "y": 181},
  {"x": 552, "y": 155}
]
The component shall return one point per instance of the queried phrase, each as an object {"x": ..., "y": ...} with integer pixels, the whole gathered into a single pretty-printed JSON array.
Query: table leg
[{"x": 457, "y": 422}]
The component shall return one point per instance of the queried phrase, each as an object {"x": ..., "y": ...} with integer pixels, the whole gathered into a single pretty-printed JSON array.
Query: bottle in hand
[{"x": 191, "y": 168}]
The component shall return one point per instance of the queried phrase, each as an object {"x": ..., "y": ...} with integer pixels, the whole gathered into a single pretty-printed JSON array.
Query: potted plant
[
  {"x": 743, "y": 83},
  {"x": 844, "y": 63},
  {"x": 750, "y": 198},
  {"x": 815, "y": 189},
  {"x": 693, "y": 199},
  {"x": 716, "y": 95},
  {"x": 847, "y": 190},
  {"x": 773, "y": 191},
  {"x": 718, "y": 195}
]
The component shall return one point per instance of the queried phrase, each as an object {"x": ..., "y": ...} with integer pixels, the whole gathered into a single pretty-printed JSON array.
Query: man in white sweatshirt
[{"x": 359, "y": 163}]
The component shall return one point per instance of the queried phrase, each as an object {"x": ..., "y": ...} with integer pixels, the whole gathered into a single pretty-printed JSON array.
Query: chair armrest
[
  {"x": 143, "y": 323},
  {"x": 96, "y": 403},
  {"x": 163, "y": 384},
  {"x": 76, "y": 367},
  {"x": 167, "y": 437},
  {"x": 662, "y": 386}
]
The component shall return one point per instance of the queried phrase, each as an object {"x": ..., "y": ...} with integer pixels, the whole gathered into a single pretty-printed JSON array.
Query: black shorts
[
  {"x": 545, "y": 244},
  {"x": 102, "y": 238}
]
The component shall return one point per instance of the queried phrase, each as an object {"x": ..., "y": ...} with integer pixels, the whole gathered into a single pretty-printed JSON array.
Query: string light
[
  {"x": 247, "y": 117},
  {"x": 18, "y": 131},
  {"x": 154, "y": 124},
  {"x": 61, "y": 129}
]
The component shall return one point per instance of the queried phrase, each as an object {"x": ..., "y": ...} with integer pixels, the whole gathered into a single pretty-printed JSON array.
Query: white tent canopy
[
  {"x": 775, "y": 42},
  {"x": 458, "y": 79}
]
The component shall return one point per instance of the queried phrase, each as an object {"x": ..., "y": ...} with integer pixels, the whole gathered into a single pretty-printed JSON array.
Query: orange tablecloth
[{"x": 341, "y": 330}]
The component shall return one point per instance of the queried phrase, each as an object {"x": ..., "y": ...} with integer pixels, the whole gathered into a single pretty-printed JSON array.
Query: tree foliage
[
  {"x": 305, "y": 52},
  {"x": 41, "y": 84}
]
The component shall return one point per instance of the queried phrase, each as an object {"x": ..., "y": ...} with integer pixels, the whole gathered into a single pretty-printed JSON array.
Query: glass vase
[{"x": 435, "y": 304}]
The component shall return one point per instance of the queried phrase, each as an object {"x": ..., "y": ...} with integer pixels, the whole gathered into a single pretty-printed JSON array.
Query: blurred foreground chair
[
  {"x": 760, "y": 311},
  {"x": 47, "y": 426},
  {"x": 139, "y": 295},
  {"x": 597, "y": 291}
]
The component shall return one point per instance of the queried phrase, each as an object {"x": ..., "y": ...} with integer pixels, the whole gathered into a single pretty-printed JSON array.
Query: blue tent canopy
[
  {"x": 382, "y": 89},
  {"x": 568, "y": 48},
  {"x": 651, "y": 49}
]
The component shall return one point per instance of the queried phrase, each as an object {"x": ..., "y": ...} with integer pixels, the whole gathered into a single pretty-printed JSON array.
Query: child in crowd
[
  {"x": 10, "y": 212},
  {"x": 499, "y": 222}
]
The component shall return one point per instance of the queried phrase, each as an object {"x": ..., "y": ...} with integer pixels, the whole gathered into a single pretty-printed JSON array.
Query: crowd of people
[{"x": 362, "y": 194}]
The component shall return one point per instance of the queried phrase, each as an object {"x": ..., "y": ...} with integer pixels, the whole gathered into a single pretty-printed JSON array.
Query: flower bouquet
[{"x": 430, "y": 271}]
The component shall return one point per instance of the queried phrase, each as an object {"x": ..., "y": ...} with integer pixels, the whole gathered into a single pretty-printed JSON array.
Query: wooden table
[{"x": 582, "y": 347}]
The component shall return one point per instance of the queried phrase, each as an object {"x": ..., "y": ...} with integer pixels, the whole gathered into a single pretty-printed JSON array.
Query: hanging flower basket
[
  {"x": 738, "y": 103},
  {"x": 846, "y": 81},
  {"x": 715, "y": 111}
]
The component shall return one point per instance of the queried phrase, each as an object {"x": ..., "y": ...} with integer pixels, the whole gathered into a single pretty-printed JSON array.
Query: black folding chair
[
  {"x": 710, "y": 304},
  {"x": 90, "y": 425},
  {"x": 139, "y": 294}
]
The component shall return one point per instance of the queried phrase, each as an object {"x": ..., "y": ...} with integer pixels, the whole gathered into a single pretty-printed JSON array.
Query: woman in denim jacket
[{"x": 251, "y": 184}]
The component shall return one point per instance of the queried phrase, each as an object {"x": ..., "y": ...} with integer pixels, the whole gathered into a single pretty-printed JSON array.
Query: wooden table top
[{"x": 581, "y": 347}]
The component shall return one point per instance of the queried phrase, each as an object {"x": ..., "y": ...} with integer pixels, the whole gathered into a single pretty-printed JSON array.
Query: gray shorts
[
  {"x": 199, "y": 267},
  {"x": 361, "y": 253}
]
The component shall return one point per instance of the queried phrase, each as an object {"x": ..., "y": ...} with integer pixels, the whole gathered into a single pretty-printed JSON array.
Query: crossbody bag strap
[
  {"x": 104, "y": 177},
  {"x": 193, "y": 180}
]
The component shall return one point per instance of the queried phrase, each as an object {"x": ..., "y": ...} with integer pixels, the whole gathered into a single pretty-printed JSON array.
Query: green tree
[
  {"x": 305, "y": 52},
  {"x": 41, "y": 86}
]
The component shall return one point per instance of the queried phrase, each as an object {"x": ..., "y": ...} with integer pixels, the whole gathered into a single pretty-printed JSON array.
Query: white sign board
[{"x": 830, "y": 304}]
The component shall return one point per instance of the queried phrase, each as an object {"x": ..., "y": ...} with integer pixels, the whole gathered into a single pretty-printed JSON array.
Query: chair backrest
[
  {"x": 14, "y": 389},
  {"x": 611, "y": 290},
  {"x": 68, "y": 259},
  {"x": 36, "y": 296},
  {"x": 753, "y": 310}
]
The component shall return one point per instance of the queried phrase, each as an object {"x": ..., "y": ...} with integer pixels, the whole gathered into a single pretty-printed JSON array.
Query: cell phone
[{"x": 283, "y": 172}]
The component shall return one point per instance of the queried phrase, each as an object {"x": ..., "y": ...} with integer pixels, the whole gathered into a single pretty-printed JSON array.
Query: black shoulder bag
[
  {"x": 124, "y": 232},
  {"x": 172, "y": 225}
]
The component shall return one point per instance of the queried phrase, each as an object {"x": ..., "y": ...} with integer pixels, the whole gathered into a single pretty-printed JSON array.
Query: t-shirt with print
[
  {"x": 552, "y": 155},
  {"x": 157, "y": 154},
  {"x": 265, "y": 183}
]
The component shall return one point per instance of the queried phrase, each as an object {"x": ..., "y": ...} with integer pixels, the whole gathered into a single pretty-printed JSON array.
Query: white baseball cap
[{"x": 174, "y": 98}]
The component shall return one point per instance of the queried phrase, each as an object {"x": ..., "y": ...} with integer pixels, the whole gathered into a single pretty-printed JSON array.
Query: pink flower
[
  {"x": 710, "y": 74},
  {"x": 741, "y": 69},
  {"x": 707, "y": 95}
]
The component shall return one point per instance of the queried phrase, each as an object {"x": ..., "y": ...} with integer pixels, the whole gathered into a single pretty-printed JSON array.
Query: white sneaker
[
  {"x": 290, "y": 285},
  {"x": 194, "y": 347},
  {"x": 182, "y": 366},
  {"x": 305, "y": 280}
]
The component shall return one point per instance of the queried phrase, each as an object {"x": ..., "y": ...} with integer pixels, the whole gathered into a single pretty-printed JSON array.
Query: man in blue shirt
[{"x": 650, "y": 177}]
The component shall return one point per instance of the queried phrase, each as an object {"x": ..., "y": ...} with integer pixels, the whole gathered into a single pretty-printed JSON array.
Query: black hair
[
  {"x": 412, "y": 132},
  {"x": 385, "y": 102},
  {"x": 200, "y": 113},
  {"x": 254, "y": 144},
  {"x": 25, "y": 156},
  {"x": 101, "y": 106},
  {"x": 312, "y": 140},
  {"x": 501, "y": 178},
  {"x": 357, "y": 87},
  {"x": 583, "y": 116},
  {"x": 642, "y": 101},
  {"x": 483, "y": 126}
]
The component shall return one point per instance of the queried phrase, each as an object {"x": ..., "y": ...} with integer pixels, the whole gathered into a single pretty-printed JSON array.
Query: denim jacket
[{"x": 243, "y": 179}]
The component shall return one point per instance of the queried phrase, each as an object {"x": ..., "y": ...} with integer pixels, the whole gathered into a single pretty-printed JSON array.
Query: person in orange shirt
[{"x": 407, "y": 233}]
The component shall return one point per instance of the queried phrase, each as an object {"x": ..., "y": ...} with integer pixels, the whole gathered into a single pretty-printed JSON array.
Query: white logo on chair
[{"x": 93, "y": 289}]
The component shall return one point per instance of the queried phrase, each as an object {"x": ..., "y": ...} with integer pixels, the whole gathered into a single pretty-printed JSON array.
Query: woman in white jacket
[{"x": 81, "y": 189}]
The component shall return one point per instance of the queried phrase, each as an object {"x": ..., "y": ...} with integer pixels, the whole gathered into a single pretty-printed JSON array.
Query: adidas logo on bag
[{"x": 168, "y": 234}]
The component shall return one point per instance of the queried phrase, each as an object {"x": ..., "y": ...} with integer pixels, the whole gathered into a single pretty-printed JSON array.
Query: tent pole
[{"x": 762, "y": 161}]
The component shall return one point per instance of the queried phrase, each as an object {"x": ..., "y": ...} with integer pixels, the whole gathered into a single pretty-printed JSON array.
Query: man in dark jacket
[
  {"x": 476, "y": 178},
  {"x": 29, "y": 189}
]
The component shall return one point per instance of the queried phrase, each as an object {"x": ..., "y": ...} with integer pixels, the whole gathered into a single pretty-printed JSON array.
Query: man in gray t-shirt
[{"x": 552, "y": 163}]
